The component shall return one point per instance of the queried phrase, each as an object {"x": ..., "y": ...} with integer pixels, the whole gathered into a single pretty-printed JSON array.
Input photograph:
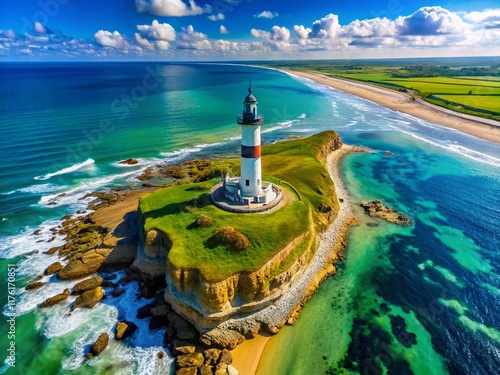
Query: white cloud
[
  {"x": 157, "y": 31},
  {"x": 144, "y": 42},
  {"x": 172, "y": 8},
  {"x": 108, "y": 39},
  {"x": 217, "y": 17},
  {"x": 489, "y": 18},
  {"x": 326, "y": 27},
  {"x": 431, "y": 21},
  {"x": 9, "y": 34},
  {"x": 223, "y": 30},
  {"x": 266, "y": 14},
  {"x": 40, "y": 29}
]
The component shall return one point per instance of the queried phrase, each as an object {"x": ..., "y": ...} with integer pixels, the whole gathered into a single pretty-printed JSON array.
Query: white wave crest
[
  {"x": 36, "y": 189},
  {"x": 70, "y": 169}
]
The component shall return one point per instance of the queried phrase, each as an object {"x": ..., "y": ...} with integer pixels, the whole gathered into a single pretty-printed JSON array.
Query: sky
[{"x": 194, "y": 30}]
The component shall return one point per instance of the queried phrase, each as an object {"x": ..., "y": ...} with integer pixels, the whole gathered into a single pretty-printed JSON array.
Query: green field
[
  {"x": 173, "y": 211},
  {"x": 481, "y": 85},
  {"x": 491, "y": 103}
]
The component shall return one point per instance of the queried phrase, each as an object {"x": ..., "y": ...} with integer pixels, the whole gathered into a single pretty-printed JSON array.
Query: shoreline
[
  {"x": 397, "y": 101},
  {"x": 331, "y": 248}
]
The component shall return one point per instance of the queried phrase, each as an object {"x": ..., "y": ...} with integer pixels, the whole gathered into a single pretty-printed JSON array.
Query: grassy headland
[{"x": 301, "y": 163}]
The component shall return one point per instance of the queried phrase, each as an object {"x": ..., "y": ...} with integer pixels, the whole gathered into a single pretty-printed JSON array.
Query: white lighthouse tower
[
  {"x": 251, "y": 170},
  {"x": 248, "y": 193}
]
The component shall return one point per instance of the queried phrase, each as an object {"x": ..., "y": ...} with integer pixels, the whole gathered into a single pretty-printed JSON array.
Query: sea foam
[{"x": 70, "y": 169}]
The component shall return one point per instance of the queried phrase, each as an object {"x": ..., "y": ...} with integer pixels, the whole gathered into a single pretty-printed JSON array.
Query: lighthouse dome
[{"x": 250, "y": 98}]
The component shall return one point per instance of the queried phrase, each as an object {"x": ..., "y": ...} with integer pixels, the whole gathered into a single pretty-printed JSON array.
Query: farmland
[{"x": 464, "y": 88}]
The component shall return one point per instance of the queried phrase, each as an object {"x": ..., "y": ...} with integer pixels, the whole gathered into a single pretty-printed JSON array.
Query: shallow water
[{"x": 65, "y": 127}]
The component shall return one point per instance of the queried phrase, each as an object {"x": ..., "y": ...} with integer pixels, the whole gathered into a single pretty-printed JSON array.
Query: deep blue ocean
[{"x": 417, "y": 300}]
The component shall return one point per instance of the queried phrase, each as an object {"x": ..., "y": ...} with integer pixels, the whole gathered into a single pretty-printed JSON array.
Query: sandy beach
[{"x": 402, "y": 102}]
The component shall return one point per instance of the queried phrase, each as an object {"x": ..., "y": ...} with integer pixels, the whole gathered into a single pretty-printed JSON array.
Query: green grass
[
  {"x": 491, "y": 103},
  {"x": 172, "y": 211}
]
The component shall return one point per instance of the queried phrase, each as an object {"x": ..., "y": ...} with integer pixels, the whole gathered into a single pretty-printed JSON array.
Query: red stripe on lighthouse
[{"x": 250, "y": 151}]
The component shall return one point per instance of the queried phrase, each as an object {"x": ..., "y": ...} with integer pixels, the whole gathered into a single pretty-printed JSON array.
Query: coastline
[
  {"x": 331, "y": 248},
  {"x": 479, "y": 127}
]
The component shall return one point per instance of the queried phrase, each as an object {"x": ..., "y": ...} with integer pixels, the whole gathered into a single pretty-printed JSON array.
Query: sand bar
[{"x": 414, "y": 106}]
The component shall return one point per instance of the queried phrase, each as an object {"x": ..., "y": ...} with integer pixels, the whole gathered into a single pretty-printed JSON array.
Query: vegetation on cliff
[{"x": 298, "y": 163}]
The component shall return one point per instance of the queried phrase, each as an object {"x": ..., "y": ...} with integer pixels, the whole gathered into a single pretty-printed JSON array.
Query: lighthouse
[
  {"x": 251, "y": 169},
  {"x": 247, "y": 193}
]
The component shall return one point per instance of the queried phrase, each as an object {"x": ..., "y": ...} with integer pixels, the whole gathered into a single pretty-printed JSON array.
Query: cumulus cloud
[
  {"x": 40, "y": 29},
  {"x": 172, "y": 8},
  {"x": 431, "y": 21},
  {"x": 326, "y": 27},
  {"x": 217, "y": 17},
  {"x": 110, "y": 39},
  {"x": 10, "y": 34},
  {"x": 223, "y": 30},
  {"x": 266, "y": 14},
  {"x": 157, "y": 31},
  {"x": 489, "y": 18}
]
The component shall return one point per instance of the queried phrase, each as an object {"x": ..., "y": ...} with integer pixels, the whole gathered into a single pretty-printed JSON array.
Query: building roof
[{"x": 250, "y": 98}]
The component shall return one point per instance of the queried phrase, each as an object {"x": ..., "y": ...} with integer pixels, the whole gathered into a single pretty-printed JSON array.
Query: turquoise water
[{"x": 65, "y": 127}]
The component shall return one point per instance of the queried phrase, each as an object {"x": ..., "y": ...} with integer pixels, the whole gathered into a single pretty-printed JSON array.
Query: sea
[{"x": 417, "y": 300}]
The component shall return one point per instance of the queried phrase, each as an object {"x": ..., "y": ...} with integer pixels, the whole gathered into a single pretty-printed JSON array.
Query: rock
[
  {"x": 108, "y": 284},
  {"x": 35, "y": 285},
  {"x": 146, "y": 292},
  {"x": 186, "y": 349},
  {"x": 184, "y": 329},
  {"x": 232, "y": 371},
  {"x": 187, "y": 371},
  {"x": 144, "y": 311},
  {"x": 55, "y": 299},
  {"x": 190, "y": 360},
  {"x": 161, "y": 310},
  {"x": 226, "y": 338},
  {"x": 89, "y": 299},
  {"x": 88, "y": 284},
  {"x": 53, "y": 250},
  {"x": 226, "y": 357},
  {"x": 372, "y": 224},
  {"x": 130, "y": 161},
  {"x": 212, "y": 356},
  {"x": 206, "y": 370},
  {"x": 157, "y": 322},
  {"x": 169, "y": 335},
  {"x": 376, "y": 208},
  {"x": 85, "y": 266},
  {"x": 221, "y": 369},
  {"x": 37, "y": 232},
  {"x": 53, "y": 268},
  {"x": 126, "y": 279},
  {"x": 117, "y": 292},
  {"x": 98, "y": 347},
  {"x": 180, "y": 343},
  {"x": 125, "y": 329}
]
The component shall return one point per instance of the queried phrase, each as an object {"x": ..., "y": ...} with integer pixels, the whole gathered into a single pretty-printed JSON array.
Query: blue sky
[{"x": 245, "y": 29}]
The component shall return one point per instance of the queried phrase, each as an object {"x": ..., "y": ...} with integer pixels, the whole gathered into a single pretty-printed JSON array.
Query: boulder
[
  {"x": 85, "y": 266},
  {"x": 53, "y": 268},
  {"x": 130, "y": 161},
  {"x": 125, "y": 329},
  {"x": 88, "y": 284},
  {"x": 187, "y": 371},
  {"x": 190, "y": 360},
  {"x": 180, "y": 344},
  {"x": 376, "y": 208},
  {"x": 161, "y": 355},
  {"x": 89, "y": 299},
  {"x": 186, "y": 349},
  {"x": 161, "y": 310},
  {"x": 144, "y": 311},
  {"x": 56, "y": 299},
  {"x": 226, "y": 338},
  {"x": 98, "y": 347},
  {"x": 212, "y": 356},
  {"x": 157, "y": 322},
  {"x": 221, "y": 369},
  {"x": 117, "y": 292},
  {"x": 206, "y": 370},
  {"x": 35, "y": 285},
  {"x": 226, "y": 357},
  {"x": 232, "y": 371},
  {"x": 184, "y": 329}
]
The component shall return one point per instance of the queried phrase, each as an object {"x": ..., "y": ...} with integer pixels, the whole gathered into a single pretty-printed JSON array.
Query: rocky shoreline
[
  {"x": 106, "y": 240},
  {"x": 377, "y": 209}
]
